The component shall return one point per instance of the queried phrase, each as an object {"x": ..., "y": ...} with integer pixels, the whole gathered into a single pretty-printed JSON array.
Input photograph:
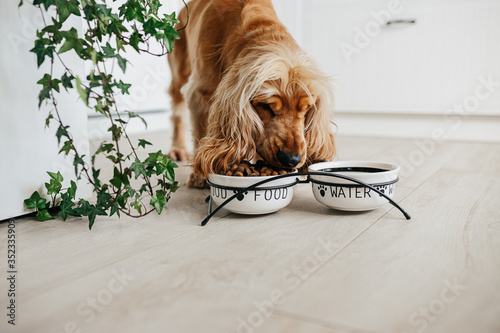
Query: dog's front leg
[
  {"x": 179, "y": 151},
  {"x": 199, "y": 104}
]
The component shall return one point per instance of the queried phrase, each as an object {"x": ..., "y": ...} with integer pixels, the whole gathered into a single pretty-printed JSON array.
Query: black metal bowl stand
[{"x": 240, "y": 191}]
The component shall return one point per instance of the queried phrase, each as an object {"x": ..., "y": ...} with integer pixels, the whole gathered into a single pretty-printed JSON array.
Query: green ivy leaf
[
  {"x": 95, "y": 176},
  {"x": 45, "y": 3},
  {"x": 143, "y": 143},
  {"x": 72, "y": 190},
  {"x": 56, "y": 176},
  {"x": 67, "y": 207},
  {"x": 67, "y": 7},
  {"x": 66, "y": 148},
  {"x": 45, "y": 80},
  {"x": 66, "y": 81},
  {"x": 48, "y": 119},
  {"x": 170, "y": 19},
  {"x": 103, "y": 198},
  {"x": 108, "y": 50},
  {"x": 122, "y": 200},
  {"x": 135, "y": 115},
  {"x": 53, "y": 187},
  {"x": 116, "y": 132},
  {"x": 44, "y": 215},
  {"x": 78, "y": 161},
  {"x": 53, "y": 29},
  {"x": 91, "y": 211},
  {"x": 105, "y": 147},
  {"x": 71, "y": 41},
  {"x": 62, "y": 131},
  {"x": 138, "y": 168},
  {"x": 158, "y": 201},
  {"x": 166, "y": 167},
  {"x": 169, "y": 36},
  {"x": 122, "y": 62},
  {"x": 149, "y": 27},
  {"x": 35, "y": 201},
  {"x": 135, "y": 38},
  {"x": 153, "y": 7},
  {"x": 84, "y": 93},
  {"x": 41, "y": 51},
  {"x": 114, "y": 210},
  {"x": 137, "y": 206},
  {"x": 124, "y": 87},
  {"x": 119, "y": 179},
  {"x": 119, "y": 44},
  {"x": 43, "y": 95}
]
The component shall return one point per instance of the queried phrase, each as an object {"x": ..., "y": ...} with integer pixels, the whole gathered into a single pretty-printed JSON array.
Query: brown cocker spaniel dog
[{"x": 252, "y": 91}]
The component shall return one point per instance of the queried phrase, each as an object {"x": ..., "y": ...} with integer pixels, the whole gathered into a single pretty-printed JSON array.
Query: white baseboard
[{"x": 468, "y": 128}]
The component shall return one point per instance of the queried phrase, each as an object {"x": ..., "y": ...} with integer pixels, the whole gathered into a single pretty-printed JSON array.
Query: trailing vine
[{"x": 106, "y": 37}]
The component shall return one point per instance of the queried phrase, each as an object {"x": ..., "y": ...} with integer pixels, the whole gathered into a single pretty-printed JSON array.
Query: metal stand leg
[{"x": 210, "y": 202}]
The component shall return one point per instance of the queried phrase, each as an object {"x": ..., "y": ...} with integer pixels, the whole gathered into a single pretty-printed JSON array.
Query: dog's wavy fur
[{"x": 251, "y": 90}]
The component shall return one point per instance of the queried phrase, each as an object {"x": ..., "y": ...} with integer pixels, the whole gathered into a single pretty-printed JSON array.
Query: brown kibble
[{"x": 246, "y": 169}]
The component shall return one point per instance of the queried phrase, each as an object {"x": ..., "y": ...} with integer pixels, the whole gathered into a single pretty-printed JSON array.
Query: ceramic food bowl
[
  {"x": 268, "y": 198},
  {"x": 346, "y": 195}
]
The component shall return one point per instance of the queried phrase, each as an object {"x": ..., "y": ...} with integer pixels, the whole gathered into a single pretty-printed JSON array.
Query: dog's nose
[{"x": 289, "y": 160}]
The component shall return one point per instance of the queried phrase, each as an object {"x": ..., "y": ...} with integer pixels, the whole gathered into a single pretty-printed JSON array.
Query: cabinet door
[{"x": 428, "y": 67}]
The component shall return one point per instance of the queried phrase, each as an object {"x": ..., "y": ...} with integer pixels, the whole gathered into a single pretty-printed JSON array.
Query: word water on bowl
[
  {"x": 347, "y": 195},
  {"x": 265, "y": 199}
]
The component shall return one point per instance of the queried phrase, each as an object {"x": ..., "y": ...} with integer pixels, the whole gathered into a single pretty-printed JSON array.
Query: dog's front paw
[
  {"x": 197, "y": 181},
  {"x": 179, "y": 154}
]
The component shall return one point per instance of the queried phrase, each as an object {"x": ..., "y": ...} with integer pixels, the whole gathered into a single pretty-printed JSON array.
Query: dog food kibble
[{"x": 246, "y": 169}]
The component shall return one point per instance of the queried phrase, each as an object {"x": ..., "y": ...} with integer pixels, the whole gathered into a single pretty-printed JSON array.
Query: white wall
[{"x": 27, "y": 150}]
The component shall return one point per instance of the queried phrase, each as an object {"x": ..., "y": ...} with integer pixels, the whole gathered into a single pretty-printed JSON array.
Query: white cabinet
[
  {"x": 27, "y": 149},
  {"x": 447, "y": 63},
  {"x": 425, "y": 67}
]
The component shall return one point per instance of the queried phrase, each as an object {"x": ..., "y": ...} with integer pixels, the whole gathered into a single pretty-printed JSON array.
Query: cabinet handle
[{"x": 408, "y": 21}]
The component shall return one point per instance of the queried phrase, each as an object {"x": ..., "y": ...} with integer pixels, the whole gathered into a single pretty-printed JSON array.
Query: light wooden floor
[{"x": 304, "y": 269}]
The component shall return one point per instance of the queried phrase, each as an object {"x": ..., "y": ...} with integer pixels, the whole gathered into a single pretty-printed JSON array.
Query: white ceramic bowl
[
  {"x": 346, "y": 195},
  {"x": 268, "y": 198}
]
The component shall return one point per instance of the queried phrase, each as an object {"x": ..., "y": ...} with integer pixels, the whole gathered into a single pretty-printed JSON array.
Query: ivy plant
[{"x": 138, "y": 186}]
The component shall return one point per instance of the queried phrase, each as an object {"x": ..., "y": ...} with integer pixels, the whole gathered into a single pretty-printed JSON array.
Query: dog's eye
[{"x": 266, "y": 107}]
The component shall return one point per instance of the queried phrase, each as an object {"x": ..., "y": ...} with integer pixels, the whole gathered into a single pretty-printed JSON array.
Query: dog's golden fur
[{"x": 252, "y": 91}]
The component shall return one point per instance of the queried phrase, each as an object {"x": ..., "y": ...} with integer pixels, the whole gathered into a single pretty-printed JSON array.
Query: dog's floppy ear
[
  {"x": 319, "y": 132},
  {"x": 232, "y": 124}
]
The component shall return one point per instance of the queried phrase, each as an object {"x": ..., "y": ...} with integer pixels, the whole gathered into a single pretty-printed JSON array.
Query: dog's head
[
  {"x": 282, "y": 141},
  {"x": 272, "y": 103}
]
